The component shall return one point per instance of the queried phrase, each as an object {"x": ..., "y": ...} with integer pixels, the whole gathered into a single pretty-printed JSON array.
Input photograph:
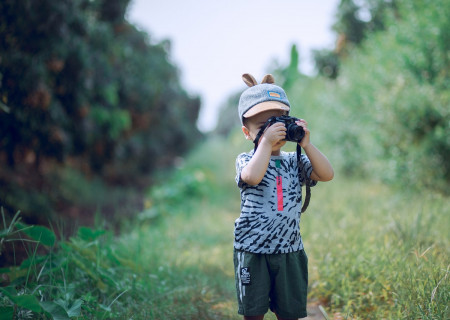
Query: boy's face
[{"x": 253, "y": 124}]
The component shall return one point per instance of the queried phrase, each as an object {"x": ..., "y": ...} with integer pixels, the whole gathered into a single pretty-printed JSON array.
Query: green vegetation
[
  {"x": 85, "y": 94},
  {"x": 393, "y": 93},
  {"x": 386, "y": 114},
  {"x": 376, "y": 236},
  {"x": 374, "y": 252}
]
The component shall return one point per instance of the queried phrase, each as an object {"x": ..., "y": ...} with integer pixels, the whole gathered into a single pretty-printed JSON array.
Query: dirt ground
[{"x": 314, "y": 313}]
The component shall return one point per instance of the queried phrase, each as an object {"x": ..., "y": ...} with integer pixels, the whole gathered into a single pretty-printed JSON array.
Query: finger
[
  {"x": 278, "y": 125},
  {"x": 279, "y": 129}
]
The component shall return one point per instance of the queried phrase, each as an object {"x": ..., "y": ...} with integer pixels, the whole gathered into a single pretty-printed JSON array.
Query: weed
[{"x": 374, "y": 253}]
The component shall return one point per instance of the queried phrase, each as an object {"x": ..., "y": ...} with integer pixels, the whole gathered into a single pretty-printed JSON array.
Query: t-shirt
[{"x": 270, "y": 211}]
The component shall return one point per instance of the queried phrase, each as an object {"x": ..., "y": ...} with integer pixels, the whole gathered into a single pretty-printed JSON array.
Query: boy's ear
[
  {"x": 246, "y": 133},
  {"x": 249, "y": 79},
  {"x": 268, "y": 78}
]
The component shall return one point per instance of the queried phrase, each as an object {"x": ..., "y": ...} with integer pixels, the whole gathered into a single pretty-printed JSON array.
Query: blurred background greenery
[
  {"x": 96, "y": 130},
  {"x": 90, "y": 108},
  {"x": 381, "y": 100}
]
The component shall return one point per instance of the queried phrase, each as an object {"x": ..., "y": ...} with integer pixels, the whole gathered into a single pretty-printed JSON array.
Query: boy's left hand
[{"x": 305, "y": 141}]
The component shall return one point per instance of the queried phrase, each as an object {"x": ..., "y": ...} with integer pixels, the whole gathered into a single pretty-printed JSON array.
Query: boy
[{"x": 270, "y": 263}]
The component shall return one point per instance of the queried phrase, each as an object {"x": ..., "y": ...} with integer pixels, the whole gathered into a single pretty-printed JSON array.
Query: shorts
[{"x": 275, "y": 281}]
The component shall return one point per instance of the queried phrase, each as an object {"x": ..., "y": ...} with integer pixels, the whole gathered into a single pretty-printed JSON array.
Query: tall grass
[
  {"x": 375, "y": 253},
  {"x": 378, "y": 255}
]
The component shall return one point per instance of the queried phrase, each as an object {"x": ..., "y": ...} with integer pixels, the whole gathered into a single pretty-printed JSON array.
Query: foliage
[
  {"x": 378, "y": 254},
  {"x": 357, "y": 19},
  {"x": 355, "y": 22},
  {"x": 228, "y": 114},
  {"x": 386, "y": 115},
  {"x": 82, "y": 88},
  {"x": 368, "y": 259},
  {"x": 326, "y": 63},
  {"x": 398, "y": 105},
  {"x": 53, "y": 285},
  {"x": 94, "y": 275},
  {"x": 287, "y": 76}
]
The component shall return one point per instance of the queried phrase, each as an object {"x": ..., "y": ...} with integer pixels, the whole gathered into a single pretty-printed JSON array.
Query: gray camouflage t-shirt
[{"x": 270, "y": 211}]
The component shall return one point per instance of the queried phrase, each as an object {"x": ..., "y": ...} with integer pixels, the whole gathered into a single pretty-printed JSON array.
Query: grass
[
  {"x": 378, "y": 254},
  {"x": 375, "y": 253}
]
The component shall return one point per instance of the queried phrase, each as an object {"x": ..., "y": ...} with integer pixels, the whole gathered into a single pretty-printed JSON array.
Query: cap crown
[{"x": 258, "y": 93}]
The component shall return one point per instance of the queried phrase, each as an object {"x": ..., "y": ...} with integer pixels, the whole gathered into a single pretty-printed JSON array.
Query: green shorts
[{"x": 275, "y": 281}]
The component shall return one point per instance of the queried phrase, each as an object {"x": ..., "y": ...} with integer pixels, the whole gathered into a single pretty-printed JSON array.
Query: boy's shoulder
[{"x": 248, "y": 154}]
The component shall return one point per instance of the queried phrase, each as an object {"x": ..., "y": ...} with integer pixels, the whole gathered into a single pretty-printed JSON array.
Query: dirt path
[{"x": 314, "y": 312}]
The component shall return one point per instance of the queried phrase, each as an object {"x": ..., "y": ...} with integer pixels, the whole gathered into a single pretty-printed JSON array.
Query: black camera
[{"x": 294, "y": 132}]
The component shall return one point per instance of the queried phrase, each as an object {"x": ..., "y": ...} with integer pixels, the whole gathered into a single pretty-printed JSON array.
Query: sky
[{"x": 214, "y": 42}]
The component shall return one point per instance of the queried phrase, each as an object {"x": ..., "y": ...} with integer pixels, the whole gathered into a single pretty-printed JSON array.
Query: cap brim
[{"x": 265, "y": 106}]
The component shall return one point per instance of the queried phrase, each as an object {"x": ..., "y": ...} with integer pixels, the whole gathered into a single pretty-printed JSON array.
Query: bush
[
  {"x": 396, "y": 92},
  {"x": 83, "y": 89}
]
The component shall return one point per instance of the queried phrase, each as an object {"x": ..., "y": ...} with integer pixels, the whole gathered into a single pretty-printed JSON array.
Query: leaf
[
  {"x": 40, "y": 233},
  {"x": 6, "y": 313},
  {"x": 106, "y": 308},
  {"x": 32, "y": 260},
  {"x": 4, "y": 107},
  {"x": 75, "y": 309},
  {"x": 88, "y": 234},
  {"x": 27, "y": 301},
  {"x": 55, "y": 310},
  {"x": 4, "y": 233},
  {"x": 9, "y": 291}
]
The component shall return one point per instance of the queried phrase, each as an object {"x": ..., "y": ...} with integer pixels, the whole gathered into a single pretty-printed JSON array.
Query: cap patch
[{"x": 273, "y": 94}]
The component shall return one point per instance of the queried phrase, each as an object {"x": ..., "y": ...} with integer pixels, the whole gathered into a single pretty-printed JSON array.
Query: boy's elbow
[
  {"x": 329, "y": 176},
  {"x": 324, "y": 176},
  {"x": 250, "y": 180}
]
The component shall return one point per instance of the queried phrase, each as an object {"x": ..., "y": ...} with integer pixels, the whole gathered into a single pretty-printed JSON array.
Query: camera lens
[{"x": 294, "y": 133}]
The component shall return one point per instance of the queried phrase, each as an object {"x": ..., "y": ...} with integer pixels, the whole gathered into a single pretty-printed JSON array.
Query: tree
[
  {"x": 82, "y": 87},
  {"x": 355, "y": 20}
]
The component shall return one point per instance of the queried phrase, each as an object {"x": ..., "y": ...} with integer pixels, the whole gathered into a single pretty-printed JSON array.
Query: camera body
[{"x": 294, "y": 132}]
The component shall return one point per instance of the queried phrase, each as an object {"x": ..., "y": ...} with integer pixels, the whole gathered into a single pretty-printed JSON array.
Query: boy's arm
[
  {"x": 322, "y": 169},
  {"x": 256, "y": 168}
]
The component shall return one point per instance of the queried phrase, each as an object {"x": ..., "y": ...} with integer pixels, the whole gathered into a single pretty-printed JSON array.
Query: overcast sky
[{"x": 215, "y": 42}]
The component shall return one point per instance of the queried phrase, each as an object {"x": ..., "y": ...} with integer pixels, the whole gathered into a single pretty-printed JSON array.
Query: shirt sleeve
[
  {"x": 241, "y": 161},
  {"x": 305, "y": 172}
]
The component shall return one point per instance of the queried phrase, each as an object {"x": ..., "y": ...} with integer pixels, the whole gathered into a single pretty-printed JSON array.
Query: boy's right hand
[
  {"x": 271, "y": 141},
  {"x": 273, "y": 134}
]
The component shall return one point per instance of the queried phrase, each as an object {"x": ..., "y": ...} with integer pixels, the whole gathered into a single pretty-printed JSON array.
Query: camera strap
[
  {"x": 261, "y": 132},
  {"x": 299, "y": 152},
  {"x": 308, "y": 188}
]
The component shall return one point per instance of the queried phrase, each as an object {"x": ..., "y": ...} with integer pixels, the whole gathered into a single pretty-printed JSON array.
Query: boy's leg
[
  {"x": 252, "y": 284},
  {"x": 254, "y": 318},
  {"x": 279, "y": 318},
  {"x": 290, "y": 272}
]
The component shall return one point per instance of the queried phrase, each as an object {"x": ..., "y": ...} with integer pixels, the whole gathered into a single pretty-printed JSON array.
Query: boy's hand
[
  {"x": 271, "y": 140},
  {"x": 322, "y": 169},
  {"x": 306, "y": 140},
  {"x": 274, "y": 134}
]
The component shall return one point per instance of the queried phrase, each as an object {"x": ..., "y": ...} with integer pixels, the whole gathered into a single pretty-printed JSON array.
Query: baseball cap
[{"x": 261, "y": 97}]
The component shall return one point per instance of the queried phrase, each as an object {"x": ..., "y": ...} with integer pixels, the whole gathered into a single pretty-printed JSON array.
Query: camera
[{"x": 294, "y": 132}]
